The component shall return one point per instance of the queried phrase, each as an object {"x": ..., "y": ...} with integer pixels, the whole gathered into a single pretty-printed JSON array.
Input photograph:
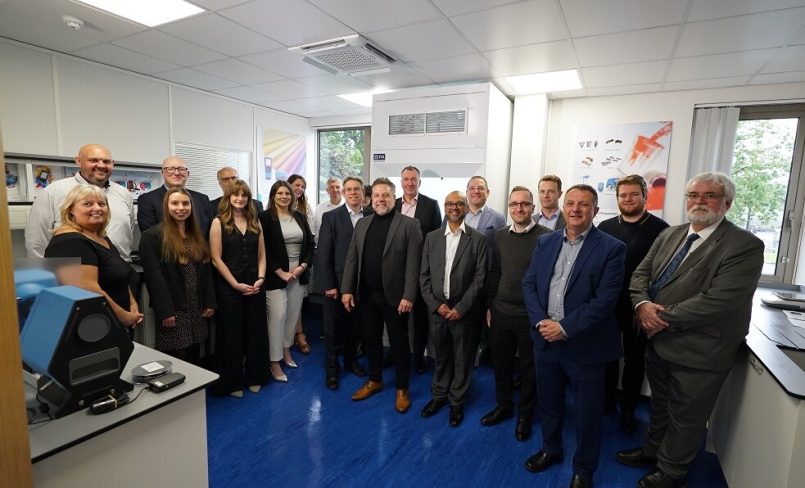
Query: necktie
[{"x": 672, "y": 266}]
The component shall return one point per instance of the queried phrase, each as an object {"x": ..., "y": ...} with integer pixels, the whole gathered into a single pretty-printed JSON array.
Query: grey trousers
[{"x": 455, "y": 344}]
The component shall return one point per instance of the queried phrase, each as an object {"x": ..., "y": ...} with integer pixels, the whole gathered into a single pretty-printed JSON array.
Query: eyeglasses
[
  {"x": 176, "y": 169},
  {"x": 455, "y": 204},
  {"x": 520, "y": 204},
  {"x": 224, "y": 179},
  {"x": 709, "y": 196}
]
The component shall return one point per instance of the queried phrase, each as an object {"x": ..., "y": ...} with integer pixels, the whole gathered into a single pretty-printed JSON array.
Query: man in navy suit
[
  {"x": 341, "y": 330},
  {"x": 175, "y": 174},
  {"x": 570, "y": 291}
]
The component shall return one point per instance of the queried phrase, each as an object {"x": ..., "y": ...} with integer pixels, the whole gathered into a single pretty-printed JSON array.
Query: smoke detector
[
  {"x": 352, "y": 55},
  {"x": 72, "y": 22}
]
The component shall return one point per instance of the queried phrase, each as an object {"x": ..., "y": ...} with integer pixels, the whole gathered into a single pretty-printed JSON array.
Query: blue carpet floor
[{"x": 300, "y": 434}]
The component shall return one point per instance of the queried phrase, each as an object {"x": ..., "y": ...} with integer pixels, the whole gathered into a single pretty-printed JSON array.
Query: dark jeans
[
  {"x": 512, "y": 347},
  {"x": 374, "y": 310}
]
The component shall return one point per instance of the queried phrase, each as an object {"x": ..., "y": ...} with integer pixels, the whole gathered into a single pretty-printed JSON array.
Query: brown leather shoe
[
  {"x": 368, "y": 389},
  {"x": 403, "y": 402}
]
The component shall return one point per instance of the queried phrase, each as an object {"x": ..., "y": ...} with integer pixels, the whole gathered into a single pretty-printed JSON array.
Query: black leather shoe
[
  {"x": 658, "y": 479},
  {"x": 456, "y": 415},
  {"x": 496, "y": 416},
  {"x": 523, "y": 430},
  {"x": 420, "y": 365},
  {"x": 356, "y": 369},
  {"x": 635, "y": 457},
  {"x": 628, "y": 421},
  {"x": 432, "y": 407},
  {"x": 332, "y": 382},
  {"x": 581, "y": 481},
  {"x": 541, "y": 461}
]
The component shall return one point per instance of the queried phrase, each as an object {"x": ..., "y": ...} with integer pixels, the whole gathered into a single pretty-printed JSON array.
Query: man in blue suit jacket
[
  {"x": 341, "y": 330},
  {"x": 570, "y": 291}
]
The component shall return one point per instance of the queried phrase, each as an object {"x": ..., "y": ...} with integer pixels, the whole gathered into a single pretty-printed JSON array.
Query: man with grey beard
[{"x": 693, "y": 298}]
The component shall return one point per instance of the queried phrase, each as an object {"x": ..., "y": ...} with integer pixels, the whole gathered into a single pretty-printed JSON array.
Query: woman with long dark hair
[
  {"x": 289, "y": 250},
  {"x": 238, "y": 254},
  {"x": 178, "y": 274},
  {"x": 301, "y": 205}
]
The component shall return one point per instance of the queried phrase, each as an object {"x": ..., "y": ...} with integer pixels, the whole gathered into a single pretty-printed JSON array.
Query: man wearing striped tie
[{"x": 693, "y": 297}]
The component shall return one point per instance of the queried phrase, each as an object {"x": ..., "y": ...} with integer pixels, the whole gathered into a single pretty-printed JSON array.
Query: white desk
[{"x": 159, "y": 440}]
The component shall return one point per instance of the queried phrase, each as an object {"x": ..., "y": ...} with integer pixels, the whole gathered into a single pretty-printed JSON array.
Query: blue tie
[{"x": 672, "y": 266}]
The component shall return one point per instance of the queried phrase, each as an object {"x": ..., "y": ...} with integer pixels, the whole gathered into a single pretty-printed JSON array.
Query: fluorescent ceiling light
[
  {"x": 146, "y": 12},
  {"x": 364, "y": 99},
  {"x": 553, "y": 81}
]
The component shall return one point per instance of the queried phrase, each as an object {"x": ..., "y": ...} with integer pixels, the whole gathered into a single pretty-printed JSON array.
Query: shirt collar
[
  {"x": 554, "y": 216},
  {"x": 461, "y": 228},
  {"x": 479, "y": 212},
  {"x": 531, "y": 225},
  {"x": 707, "y": 231},
  {"x": 581, "y": 236},
  {"x": 81, "y": 180}
]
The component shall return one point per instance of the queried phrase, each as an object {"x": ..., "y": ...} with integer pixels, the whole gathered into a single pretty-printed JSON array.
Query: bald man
[
  {"x": 95, "y": 165},
  {"x": 175, "y": 173}
]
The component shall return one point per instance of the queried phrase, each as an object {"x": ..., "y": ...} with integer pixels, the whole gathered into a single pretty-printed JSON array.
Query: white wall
[{"x": 528, "y": 141}]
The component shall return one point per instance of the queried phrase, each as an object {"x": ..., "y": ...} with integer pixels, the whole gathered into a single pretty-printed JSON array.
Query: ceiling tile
[
  {"x": 718, "y": 65},
  {"x": 569, "y": 93},
  {"x": 289, "y": 89},
  {"x": 300, "y": 23},
  {"x": 216, "y": 4},
  {"x": 374, "y": 15},
  {"x": 422, "y": 42},
  {"x": 51, "y": 34},
  {"x": 799, "y": 37},
  {"x": 586, "y": 18},
  {"x": 787, "y": 77},
  {"x": 625, "y": 74},
  {"x": 626, "y": 47},
  {"x": 457, "y": 7},
  {"x": 196, "y": 79},
  {"x": 791, "y": 58},
  {"x": 330, "y": 102},
  {"x": 623, "y": 90},
  {"x": 238, "y": 71},
  {"x": 743, "y": 33},
  {"x": 512, "y": 25},
  {"x": 248, "y": 94},
  {"x": 401, "y": 76},
  {"x": 163, "y": 46},
  {"x": 702, "y": 84},
  {"x": 537, "y": 58},
  {"x": 336, "y": 84},
  {"x": 471, "y": 67},
  {"x": 715, "y": 9},
  {"x": 223, "y": 35},
  {"x": 123, "y": 58},
  {"x": 289, "y": 64}
]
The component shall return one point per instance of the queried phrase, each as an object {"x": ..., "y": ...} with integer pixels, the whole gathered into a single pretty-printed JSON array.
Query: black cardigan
[
  {"x": 277, "y": 254},
  {"x": 164, "y": 279}
]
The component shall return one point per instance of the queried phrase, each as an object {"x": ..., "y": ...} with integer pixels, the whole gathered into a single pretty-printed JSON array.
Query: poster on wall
[
  {"x": 283, "y": 154},
  {"x": 136, "y": 182},
  {"x": 602, "y": 154}
]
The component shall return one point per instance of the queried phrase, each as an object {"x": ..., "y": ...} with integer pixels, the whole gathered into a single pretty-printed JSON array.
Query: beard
[
  {"x": 633, "y": 211},
  {"x": 706, "y": 219}
]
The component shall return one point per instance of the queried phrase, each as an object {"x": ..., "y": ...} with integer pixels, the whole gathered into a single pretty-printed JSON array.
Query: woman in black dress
[
  {"x": 178, "y": 274},
  {"x": 82, "y": 234},
  {"x": 238, "y": 254}
]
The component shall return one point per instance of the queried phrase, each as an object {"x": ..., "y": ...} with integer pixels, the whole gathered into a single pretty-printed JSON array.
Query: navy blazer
[
  {"x": 277, "y": 253},
  {"x": 149, "y": 209},
  {"x": 590, "y": 297},
  {"x": 335, "y": 235},
  {"x": 427, "y": 213}
]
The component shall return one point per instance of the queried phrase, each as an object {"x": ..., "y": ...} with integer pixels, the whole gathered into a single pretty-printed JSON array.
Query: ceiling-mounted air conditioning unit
[{"x": 352, "y": 55}]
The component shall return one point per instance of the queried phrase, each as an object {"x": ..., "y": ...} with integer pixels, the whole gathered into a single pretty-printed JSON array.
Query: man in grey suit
[
  {"x": 382, "y": 274},
  {"x": 452, "y": 279},
  {"x": 693, "y": 297}
]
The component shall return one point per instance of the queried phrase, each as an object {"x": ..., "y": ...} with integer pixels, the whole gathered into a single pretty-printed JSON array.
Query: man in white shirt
[
  {"x": 550, "y": 191},
  {"x": 95, "y": 166},
  {"x": 335, "y": 201}
]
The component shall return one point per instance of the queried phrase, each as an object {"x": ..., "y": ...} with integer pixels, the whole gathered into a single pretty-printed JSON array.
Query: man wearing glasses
[
  {"x": 693, "y": 298},
  {"x": 175, "y": 174},
  {"x": 226, "y": 176}
]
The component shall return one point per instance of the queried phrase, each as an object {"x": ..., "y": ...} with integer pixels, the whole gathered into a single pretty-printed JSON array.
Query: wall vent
[{"x": 450, "y": 122}]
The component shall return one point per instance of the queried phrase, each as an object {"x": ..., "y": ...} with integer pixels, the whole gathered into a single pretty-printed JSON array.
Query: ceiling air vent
[
  {"x": 406, "y": 124},
  {"x": 352, "y": 55},
  {"x": 446, "y": 122}
]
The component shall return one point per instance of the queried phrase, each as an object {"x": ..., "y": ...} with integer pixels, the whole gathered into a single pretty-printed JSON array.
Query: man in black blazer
[
  {"x": 340, "y": 329},
  {"x": 693, "y": 297},
  {"x": 426, "y": 211},
  {"x": 175, "y": 174},
  {"x": 451, "y": 279},
  {"x": 381, "y": 273},
  {"x": 226, "y": 176}
]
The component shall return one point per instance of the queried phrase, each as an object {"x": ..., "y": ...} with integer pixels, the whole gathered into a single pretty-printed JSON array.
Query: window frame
[{"x": 367, "y": 150}]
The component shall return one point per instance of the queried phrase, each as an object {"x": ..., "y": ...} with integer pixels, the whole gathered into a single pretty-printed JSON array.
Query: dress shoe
[
  {"x": 368, "y": 389},
  {"x": 237, "y": 394},
  {"x": 628, "y": 421},
  {"x": 402, "y": 403},
  {"x": 658, "y": 479},
  {"x": 496, "y": 416},
  {"x": 291, "y": 364},
  {"x": 356, "y": 369},
  {"x": 636, "y": 457},
  {"x": 279, "y": 377},
  {"x": 255, "y": 389},
  {"x": 332, "y": 382},
  {"x": 541, "y": 461},
  {"x": 432, "y": 407},
  {"x": 420, "y": 365},
  {"x": 581, "y": 481},
  {"x": 523, "y": 430},
  {"x": 456, "y": 415}
]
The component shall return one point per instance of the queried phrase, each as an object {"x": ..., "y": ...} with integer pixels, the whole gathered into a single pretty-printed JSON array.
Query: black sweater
[{"x": 376, "y": 235}]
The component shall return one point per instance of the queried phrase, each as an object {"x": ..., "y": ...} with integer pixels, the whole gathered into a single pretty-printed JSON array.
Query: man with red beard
[
  {"x": 693, "y": 298},
  {"x": 638, "y": 229}
]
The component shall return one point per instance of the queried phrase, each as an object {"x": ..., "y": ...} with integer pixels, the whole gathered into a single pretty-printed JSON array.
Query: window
[
  {"x": 342, "y": 153},
  {"x": 768, "y": 174}
]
